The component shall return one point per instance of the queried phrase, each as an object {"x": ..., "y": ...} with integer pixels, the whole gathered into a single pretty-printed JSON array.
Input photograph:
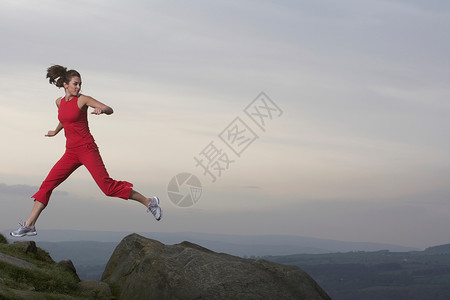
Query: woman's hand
[
  {"x": 97, "y": 111},
  {"x": 99, "y": 108},
  {"x": 51, "y": 133}
]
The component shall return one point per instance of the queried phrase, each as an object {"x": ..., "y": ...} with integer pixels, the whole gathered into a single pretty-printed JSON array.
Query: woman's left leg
[
  {"x": 134, "y": 195},
  {"x": 92, "y": 160},
  {"x": 90, "y": 157},
  {"x": 38, "y": 207}
]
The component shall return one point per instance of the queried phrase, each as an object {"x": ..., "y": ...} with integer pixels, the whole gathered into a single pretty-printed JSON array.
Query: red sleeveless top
[{"x": 75, "y": 123}]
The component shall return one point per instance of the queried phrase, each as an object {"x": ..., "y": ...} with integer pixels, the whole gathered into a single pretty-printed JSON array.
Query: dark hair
[{"x": 58, "y": 75}]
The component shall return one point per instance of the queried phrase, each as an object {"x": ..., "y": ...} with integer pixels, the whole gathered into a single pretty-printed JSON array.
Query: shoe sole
[
  {"x": 160, "y": 214},
  {"x": 160, "y": 209},
  {"x": 22, "y": 235}
]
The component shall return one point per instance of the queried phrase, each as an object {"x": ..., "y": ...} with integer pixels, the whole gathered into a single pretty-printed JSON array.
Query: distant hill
[
  {"x": 439, "y": 249},
  {"x": 83, "y": 253},
  {"x": 88, "y": 257},
  {"x": 415, "y": 275}
]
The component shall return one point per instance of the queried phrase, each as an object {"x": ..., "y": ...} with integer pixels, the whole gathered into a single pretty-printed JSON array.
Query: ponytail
[{"x": 58, "y": 75}]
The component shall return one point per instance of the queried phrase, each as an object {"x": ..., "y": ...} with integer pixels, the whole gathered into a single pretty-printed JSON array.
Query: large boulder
[{"x": 147, "y": 269}]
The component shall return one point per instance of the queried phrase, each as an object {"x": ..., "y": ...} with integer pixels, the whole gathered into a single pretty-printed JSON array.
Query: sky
[{"x": 357, "y": 149}]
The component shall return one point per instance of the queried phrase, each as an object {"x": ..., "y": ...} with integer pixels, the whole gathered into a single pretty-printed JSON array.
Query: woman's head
[{"x": 58, "y": 75}]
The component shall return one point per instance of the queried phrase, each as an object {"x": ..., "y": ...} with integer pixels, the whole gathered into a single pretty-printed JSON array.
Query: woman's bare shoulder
[
  {"x": 84, "y": 98},
  {"x": 58, "y": 101}
]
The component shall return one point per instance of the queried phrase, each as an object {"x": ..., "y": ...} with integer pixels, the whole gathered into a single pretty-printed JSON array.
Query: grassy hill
[{"x": 28, "y": 272}]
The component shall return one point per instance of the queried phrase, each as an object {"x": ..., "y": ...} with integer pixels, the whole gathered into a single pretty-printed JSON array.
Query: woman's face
[{"x": 74, "y": 86}]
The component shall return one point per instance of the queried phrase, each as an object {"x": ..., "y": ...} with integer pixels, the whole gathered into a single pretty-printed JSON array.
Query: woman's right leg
[
  {"x": 67, "y": 164},
  {"x": 60, "y": 171},
  {"x": 38, "y": 207}
]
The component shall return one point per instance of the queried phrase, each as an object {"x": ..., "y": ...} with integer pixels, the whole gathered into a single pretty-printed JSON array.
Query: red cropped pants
[{"x": 89, "y": 156}]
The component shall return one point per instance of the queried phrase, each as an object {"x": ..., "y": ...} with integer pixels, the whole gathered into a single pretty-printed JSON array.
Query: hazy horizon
[
  {"x": 234, "y": 244},
  {"x": 358, "y": 150}
]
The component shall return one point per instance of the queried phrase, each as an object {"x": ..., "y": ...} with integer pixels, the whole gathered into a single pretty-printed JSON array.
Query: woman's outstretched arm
[
  {"x": 55, "y": 132},
  {"x": 99, "y": 108}
]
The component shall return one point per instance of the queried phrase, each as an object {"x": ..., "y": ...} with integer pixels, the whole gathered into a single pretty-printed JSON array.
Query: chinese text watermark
[{"x": 214, "y": 160}]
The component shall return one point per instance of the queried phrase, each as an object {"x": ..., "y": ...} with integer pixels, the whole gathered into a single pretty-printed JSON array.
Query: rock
[
  {"x": 28, "y": 247},
  {"x": 16, "y": 261},
  {"x": 147, "y": 269},
  {"x": 96, "y": 289},
  {"x": 68, "y": 265}
]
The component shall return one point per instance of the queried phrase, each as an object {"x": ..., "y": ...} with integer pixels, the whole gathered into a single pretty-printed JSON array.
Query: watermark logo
[
  {"x": 262, "y": 110},
  {"x": 185, "y": 189},
  {"x": 213, "y": 161},
  {"x": 238, "y": 136}
]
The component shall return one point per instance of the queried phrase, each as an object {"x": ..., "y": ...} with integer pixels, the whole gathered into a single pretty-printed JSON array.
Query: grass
[
  {"x": 39, "y": 258},
  {"x": 3, "y": 240},
  {"x": 47, "y": 281}
]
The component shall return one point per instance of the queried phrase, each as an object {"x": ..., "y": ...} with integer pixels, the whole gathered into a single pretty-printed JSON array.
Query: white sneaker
[
  {"x": 155, "y": 208},
  {"x": 23, "y": 231}
]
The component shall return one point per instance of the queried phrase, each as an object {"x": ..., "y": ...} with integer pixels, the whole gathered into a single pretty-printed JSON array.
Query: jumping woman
[{"x": 80, "y": 150}]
